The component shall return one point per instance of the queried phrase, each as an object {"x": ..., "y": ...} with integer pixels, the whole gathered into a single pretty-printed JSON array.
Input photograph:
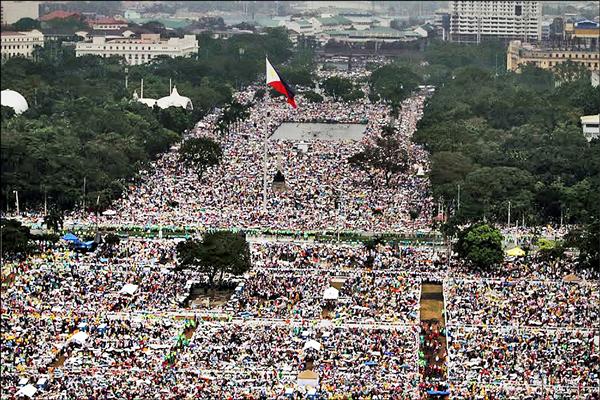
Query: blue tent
[
  {"x": 71, "y": 237},
  {"x": 84, "y": 245},
  {"x": 438, "y": 392}
]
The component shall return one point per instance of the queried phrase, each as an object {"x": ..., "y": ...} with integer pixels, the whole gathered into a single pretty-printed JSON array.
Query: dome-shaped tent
[
  {"x": 175, "y": 100},
  {"x": 15, "y": 100}
]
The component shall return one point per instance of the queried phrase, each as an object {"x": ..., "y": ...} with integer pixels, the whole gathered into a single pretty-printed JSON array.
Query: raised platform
[{"x": 318, "y": 131}]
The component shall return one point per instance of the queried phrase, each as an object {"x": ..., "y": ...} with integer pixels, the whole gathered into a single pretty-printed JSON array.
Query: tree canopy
[
  {"x": 510, "y": 137},
  {"x": 386, "y": 156},
  {"x": 481, "y": 246},
  {"x": 217, "y": 253},
  {"x": 15, "y": 237},
  {"x": 393, "y": 83},
  {"x": 200, "y": 154}
]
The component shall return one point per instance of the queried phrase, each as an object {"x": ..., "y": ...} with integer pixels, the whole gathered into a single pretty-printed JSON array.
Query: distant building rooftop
[{"x": 59, "y": 14}]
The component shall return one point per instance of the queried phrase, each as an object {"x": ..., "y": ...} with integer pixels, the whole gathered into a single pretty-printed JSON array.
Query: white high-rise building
[{"x": 477, "y": 21}]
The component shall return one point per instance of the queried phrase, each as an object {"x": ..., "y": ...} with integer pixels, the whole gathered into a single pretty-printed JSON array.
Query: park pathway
[{"x": 433, "y": 349}]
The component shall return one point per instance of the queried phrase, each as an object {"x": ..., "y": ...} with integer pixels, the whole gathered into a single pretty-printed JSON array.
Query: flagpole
[
  {"x": 265, "y": 156},
  {"x": 265, "y": 144}
]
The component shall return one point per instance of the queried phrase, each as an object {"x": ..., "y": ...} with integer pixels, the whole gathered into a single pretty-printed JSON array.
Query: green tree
[
  {"x": 15, "y": 238},
  {"x": 337, "y": 86},
  {"x": 386, "y": 154},
  {"x": 217, "y": 254},
  {"x": 354, "y": 95},
  {"x": 298, "y": 76},
  {"x": 393, "y": 83},
  {"x": 587, "y": 239},
  {"x": 481, "y": 246},
  {"x": 7, "y": 112},
  {"x": 26, "y": 24},
  {"x": 54, "y": 220},
  {"x": 200, "y": 154},
  {"x": 312, "y": 97},
  {"x": 571, "y": 71},
  {"x": 175, "y": 119}
]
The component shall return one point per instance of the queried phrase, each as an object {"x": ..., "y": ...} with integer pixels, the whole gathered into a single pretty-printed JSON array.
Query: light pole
[{"x": 16, "y": 192}]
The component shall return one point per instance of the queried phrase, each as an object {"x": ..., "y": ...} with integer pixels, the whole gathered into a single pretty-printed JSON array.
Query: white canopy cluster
[
  {"x": 172, "y": 100},
  {"x": 15, "y": 100}
]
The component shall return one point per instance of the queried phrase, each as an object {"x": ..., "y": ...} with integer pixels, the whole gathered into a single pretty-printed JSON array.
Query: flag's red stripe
[{"x": 280, "y": 87}]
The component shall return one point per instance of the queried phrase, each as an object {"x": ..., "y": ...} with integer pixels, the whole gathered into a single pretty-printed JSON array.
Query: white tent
[
  {"x": 27, "y": 390},
  {"x": 175, "y": 100},
  {"x": 312, "y": 344},
  {"x": 331, "y": 293},
  {"x": 308, "y": 378},
  {"x": 325, "y": 323},
  {"x": 109, "y": 212},
  {"x": 80, "y": 337},
  {"x": 14, "y": 100},
  {"x": 129, "y": 288}
]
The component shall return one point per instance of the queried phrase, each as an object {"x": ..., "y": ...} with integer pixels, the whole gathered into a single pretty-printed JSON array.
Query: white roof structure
[
  {"x": 144, "y": 100},
  {"x": 80, "y": 337},
  {"x": 15, "y": 100},
  {"x": 586, "y": 119},
  {"x": 175, "y": 100},
  {"x": 27, "y": 390},
  {"x": 331, "y": 293},
  {"x": 312, "y": 344},
  {"x": 129, "y": 288}
]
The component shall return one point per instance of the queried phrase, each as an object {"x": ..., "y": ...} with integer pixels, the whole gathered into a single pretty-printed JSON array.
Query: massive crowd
[
  {"x": 66, "y": 317},
  {"x": 231, "y": 194},
  {"x": 310, "y": 319}
]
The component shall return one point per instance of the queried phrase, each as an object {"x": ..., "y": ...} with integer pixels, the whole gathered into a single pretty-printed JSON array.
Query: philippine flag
[{"x": 274, "y": 80}]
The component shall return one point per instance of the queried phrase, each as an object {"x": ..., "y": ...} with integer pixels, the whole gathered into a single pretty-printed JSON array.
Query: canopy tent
[
  {"x": 27, "y": 390},
  {"x": 89, "y": 245},
  {"x": 129, "y": 288},
  {"x": 331, "y": 293},
  {"x": 338, "y": 282},
  {"x": 515, "y": 252},
  {"x": 312, "y": 344},
  {"x": 70, "y": 237},
  {"x": 14, "y": 100},
  {"x": 308, "y": 378},
  {"x": 109, "y": 212},
  {"x": 432, "y": 392},
  {"x": 571, "y": 278},
  {"x": 80, "y": 337}
]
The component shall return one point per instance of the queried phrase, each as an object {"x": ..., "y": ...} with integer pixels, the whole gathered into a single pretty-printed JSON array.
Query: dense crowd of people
[
  {"x": 510, "y": 329},
  {"x": 310, "y": 319},
  {"x": 525, "y": 330},
  {"x": 556, "y": 357},
  {"x": 231, "y": 194},
  {"x": 68, "y": 317}
]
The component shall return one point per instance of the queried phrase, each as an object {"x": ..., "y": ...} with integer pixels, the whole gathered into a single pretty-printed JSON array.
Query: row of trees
[{"x": 512, "y": 138}]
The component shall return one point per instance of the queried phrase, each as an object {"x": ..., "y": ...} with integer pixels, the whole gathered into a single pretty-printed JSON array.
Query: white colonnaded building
[
  {"x": 140, "y": 50},
  {"x": 20, "y": 44}
]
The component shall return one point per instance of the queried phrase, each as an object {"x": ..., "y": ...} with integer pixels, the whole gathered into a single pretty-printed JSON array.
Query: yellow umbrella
[{"x": 515, "y": 252}]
